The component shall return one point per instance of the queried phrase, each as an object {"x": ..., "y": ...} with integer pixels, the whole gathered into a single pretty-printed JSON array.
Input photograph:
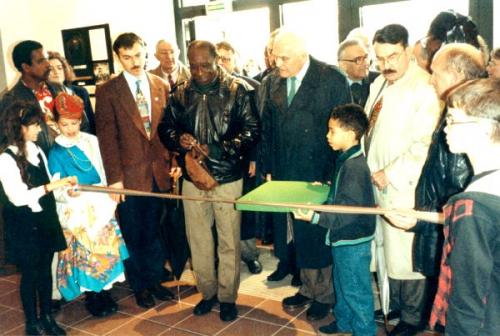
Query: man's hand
[
  {"x": 380, "y": 180},
  {"x": 117, "y": 197},
  {"x": 303, "y": 214},
  {"x": 251, "y": 169},
  {"x": 186, "y": 141},
  {"x": 401, "y": 221},
  {"x": 175, "y": 173}
]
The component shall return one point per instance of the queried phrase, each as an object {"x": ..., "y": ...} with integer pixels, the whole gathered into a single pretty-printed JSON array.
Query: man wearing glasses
[
  {"x": 354, "y": 61},
  {"x": 403, "y": 110}
]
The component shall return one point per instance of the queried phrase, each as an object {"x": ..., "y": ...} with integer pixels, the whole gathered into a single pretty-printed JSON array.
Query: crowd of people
[{"x": 391, "y": 125}]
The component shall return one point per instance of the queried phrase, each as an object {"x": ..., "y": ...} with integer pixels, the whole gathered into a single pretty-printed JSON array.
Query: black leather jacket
[
  {"x": 224, "y": 118},
  {"x": 444, "y": 174}
]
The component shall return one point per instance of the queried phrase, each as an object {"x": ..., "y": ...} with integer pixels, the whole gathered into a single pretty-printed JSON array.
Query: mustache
[
  {"x": 137, "y": 67},
  {"x": 388, "y": 71}
]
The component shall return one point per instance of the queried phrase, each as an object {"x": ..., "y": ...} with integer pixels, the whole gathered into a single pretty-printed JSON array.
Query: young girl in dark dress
[{"x": 32, "y": 228}]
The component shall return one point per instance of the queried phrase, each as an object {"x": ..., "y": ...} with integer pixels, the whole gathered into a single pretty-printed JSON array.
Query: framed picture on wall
[{"x": 88, "y": 50}]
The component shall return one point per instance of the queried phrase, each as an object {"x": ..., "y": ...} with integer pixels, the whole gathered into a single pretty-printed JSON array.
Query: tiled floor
[{"x": 257, "y": 316}]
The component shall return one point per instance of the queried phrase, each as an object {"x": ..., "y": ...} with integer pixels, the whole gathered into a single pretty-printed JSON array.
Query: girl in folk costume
[
  {"x": 33, "y": 232},
  {"x": 93, "y": 261}
]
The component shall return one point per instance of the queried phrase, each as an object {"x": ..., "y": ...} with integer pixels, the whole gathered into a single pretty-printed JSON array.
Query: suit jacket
[
  {"x": 128, "y": 154},
  {"x": 365, "y": 88},
  {"x": 183, "y": 76},
  {"x": 294, "y": 145}
]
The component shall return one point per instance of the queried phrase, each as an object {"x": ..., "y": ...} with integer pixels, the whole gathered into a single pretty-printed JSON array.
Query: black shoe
[
  {"x": 55, "y": 306},
  {"x": 205, "y": 306},
  {"x": 108, "y": 302},
  {"x": 167, "y": 275},
  {"x": 379, "y": 315},
  {"x": 33, "y": 329},
  {"x": 94, "y": 304},
  {"x": 254, "y": 266},
  {"x": 50, "y": 326},
  {"x": 144, "y": 299},
  {"x": 331, "y": 329},
  {"x": 228, "y": 311},
  {"x": 161, "y": 293},
  {"x": 318, "y": 311},
  {"x": 296, "y": 301},
  {"x": 296, "y": 282},
  {"x": 278, "y": 275},
  {"x": 404, "y": 329}
]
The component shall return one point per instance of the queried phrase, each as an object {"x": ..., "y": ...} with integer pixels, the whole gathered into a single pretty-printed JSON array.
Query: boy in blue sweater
[{"x": 349, "y": 235}]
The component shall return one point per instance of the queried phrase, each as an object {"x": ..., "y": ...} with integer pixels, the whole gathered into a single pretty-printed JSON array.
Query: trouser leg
[
  {"x": 409, "y": 295},
  {"x": 199, "y": 218},
  {"x": 317, "y": 284}
]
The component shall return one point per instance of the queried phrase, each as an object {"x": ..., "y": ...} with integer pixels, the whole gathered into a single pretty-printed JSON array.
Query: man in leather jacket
[
  {"x": 214, "y": 110},
  {"x": 444, "y": 174}
]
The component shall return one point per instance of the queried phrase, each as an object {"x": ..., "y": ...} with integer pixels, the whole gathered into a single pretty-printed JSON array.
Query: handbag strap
[{"x": 233, "y": 88}]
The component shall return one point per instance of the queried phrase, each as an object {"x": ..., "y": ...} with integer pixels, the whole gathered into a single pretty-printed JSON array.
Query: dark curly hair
[{"x": 16, "y": 115}]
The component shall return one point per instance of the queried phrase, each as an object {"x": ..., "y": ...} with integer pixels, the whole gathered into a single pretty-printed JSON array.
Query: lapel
[
  {"x": 157, "y": 106},
  {"x": 128, "y": 103},
  {"x": 278, "y": 91},
  {"x": 307, "y": 87}
]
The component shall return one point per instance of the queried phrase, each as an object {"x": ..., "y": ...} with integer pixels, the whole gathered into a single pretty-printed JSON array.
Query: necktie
[
  {"x": 292, "y": 91},
  {"x": 356, "y": 89},
  {"x": 142, "y": 106},
  {"x": 171, "y": 82}
]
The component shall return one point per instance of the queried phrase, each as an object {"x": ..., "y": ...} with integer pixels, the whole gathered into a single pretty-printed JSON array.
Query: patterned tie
[
  {"x": 142, "y": 105},
  {"x": 292, "y": 91}
]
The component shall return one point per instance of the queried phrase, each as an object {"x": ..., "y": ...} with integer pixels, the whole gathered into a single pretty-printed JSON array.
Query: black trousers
[
  {"x": 408, "y": 296},
  {"x": 139, "y": 219},
  {"x": 36, "y": 281}
]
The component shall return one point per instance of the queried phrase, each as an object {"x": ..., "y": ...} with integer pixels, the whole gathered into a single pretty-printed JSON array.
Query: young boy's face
[{"x": 340, "y": 138}]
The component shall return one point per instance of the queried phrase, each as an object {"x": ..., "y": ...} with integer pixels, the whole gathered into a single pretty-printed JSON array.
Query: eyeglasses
[
  {"x": 358, "y": 60},
  {"x": 391, "y": 59},
  {"x": 450, "y": 121}
]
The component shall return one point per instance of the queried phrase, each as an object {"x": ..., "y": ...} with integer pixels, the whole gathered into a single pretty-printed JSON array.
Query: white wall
[{"x": 43, "y": 21}]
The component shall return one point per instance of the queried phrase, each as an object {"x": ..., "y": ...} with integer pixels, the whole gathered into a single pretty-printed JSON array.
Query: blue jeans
[{"x": 352, "y": 281}]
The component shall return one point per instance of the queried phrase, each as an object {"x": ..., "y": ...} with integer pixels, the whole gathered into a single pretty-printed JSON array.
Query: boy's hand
[{"x": 303, "y": 214}]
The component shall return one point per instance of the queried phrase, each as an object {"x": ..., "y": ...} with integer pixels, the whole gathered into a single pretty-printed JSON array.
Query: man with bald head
[
  {"x": 170, "y": 68},
  {"x": 444, "y": 173},
  {"x": 296, "y": 100},
  {"x": 213, "y": 110}
]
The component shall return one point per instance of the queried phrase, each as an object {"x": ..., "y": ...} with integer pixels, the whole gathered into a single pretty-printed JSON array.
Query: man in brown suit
[
  {"x": 128, "y": 110},
  {"x": 170, "y": 69}
]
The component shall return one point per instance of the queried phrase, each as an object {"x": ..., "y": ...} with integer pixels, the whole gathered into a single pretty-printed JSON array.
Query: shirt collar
[
  {"x": 132, "y": 80},
  {"x": 300, "y": 76}
]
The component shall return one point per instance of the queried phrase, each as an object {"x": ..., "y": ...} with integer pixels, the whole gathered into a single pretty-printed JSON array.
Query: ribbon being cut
[{"x": 282, "y": 196}]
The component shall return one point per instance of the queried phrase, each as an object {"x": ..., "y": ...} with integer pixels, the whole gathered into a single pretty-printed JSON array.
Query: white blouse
[{"x": 16, "y": 190}]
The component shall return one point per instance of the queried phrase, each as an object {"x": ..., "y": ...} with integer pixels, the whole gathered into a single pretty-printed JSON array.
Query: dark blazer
[
  {"x": 127, "y": 152},
  {"x": 294, "y": 146},
  {"x": 365, "y": 88}
]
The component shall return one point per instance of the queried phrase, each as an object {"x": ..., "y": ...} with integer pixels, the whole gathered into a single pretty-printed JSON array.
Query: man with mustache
[
  {"x": 128, "y": 110},
  {"x": 31, "y": 61},
  {"x": 403, "y": 110}
]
